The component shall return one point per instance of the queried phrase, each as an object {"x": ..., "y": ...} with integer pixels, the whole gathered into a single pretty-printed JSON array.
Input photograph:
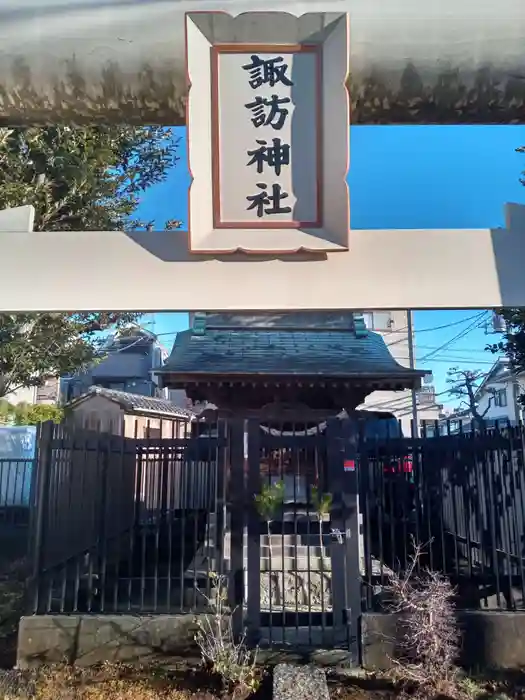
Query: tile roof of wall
[{"x": 137, "y": 403}]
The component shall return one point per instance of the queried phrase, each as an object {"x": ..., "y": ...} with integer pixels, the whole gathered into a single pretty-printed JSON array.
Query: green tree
[
  {"x": 5, "y": 412},
  {"x": 35, "y": 347},
  {"x": 268, "y": 503},
  {"x": 82, "y": 178},
  {"x": 512, "y": 342},
  {"x": 33, "y": 414},
  {"x": 322, "y": 503}
]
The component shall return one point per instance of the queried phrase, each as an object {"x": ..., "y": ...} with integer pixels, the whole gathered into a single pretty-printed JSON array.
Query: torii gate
[{"x": 448, "y": 61}]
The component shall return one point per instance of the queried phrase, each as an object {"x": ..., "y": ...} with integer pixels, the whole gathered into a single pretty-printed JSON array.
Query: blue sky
[{"x": 405, "y": 177}]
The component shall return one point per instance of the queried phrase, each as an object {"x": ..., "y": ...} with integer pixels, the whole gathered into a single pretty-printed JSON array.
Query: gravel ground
[{"x": 299, "y": 683}]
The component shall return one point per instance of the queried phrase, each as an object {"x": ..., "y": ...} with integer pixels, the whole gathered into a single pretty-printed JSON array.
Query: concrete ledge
[
  {"x": 91, "y": 639},
  {"x": 494, "y": 640},
  {"x": 491, "y": 639},
  {"x": 88, "y": 640}
]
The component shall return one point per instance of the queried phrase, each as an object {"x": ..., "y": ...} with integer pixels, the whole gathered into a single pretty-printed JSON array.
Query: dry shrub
[
  {"x": 429, "y": 644},
  {"x": 227, "y": 656}
]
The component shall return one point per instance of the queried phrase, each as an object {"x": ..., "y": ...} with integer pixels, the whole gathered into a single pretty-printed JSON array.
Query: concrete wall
[
  {"x": 100, "y": 411},
  {"x": 491, "y": 640}
]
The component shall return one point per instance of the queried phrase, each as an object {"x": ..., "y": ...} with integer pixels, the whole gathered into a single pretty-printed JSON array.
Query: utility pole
[{"x": 412, "y": 363}]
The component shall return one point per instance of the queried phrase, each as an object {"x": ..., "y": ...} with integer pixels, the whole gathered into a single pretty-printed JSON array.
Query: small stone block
[{"x": 292, "y": 682}]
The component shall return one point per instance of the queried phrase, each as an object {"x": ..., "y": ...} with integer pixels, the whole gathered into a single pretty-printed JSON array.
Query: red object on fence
[{"x": 403, "y": 465}]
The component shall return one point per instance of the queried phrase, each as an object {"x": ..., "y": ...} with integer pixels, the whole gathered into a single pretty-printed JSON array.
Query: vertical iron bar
[
  {"x": 346, "y": 580},
  {"x": 254, "y": 533},
  {"x": 519, "y": 519},
  {"x": 121, "y": 497},
  {"x": 41, "y": 505},
  {"x": 237, "y": 505},
  {"x": 137, "y": 512}
]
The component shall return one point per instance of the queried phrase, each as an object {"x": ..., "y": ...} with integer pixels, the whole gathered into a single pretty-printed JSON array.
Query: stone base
[
  {"x": 297, "y": 590},
  {"x": 88, "y": 640},
  {"x": 491, "y": 640}
]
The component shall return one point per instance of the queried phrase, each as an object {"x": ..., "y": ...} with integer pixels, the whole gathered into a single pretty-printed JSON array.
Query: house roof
[
  {"x": 500, "y": 371},
  {"x": 322, "y": 353},
  {"x": 136, "y": 403}
]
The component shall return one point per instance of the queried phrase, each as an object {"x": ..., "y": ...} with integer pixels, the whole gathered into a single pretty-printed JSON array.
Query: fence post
[
  {"x": 237, "y": 506},
  {"x": 40, "y": 507},
  {"x": 219, "y": 493},
  {"x": 342, "y": 450},
  {"x": 253, "y": 454}
]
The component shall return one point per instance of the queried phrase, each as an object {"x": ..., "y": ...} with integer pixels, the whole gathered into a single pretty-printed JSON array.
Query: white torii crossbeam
[{"x": 153, "y": 271}]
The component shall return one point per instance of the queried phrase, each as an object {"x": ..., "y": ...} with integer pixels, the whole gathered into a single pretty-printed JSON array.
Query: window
[
  {"x": 500, "y": 397},
  {"x": 114, "y": 386},
  {"x": 382, "y": 321},
  {"x": 152, "y": 433},
  {"x": 139, "y": 386},
  {"x": 378, "y": 320},
  {"x": 429, "y": 427}
]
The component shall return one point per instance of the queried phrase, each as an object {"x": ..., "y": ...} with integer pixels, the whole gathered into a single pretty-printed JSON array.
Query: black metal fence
[
  {"x": 119, "y": 521},
  {"x": 462, "y": 496},
  {"x": 15, "y": 488},
  {"x": 123, "y": 524},
  {"x": 16, "y": 479}
]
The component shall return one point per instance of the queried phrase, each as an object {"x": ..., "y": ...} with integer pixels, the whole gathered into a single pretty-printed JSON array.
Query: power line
[
  {"x": 451, "y": 360},
  {"x": 462, "y": 334},
  {"x": 434, "y": 328},
  {"x": 435, "y": 347},
  {"x": 451, "y": 325}
]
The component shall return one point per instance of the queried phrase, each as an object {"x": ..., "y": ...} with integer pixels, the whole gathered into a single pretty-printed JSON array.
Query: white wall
[
  {"x": 26, "y": 394},
  {"x": 507, "y": 412},
  {"x": 46, "y": 394},
  {"x": 399, "y": 402}
]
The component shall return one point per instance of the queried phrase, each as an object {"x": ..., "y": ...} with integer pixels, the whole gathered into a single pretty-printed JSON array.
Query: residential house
[
  {"x": 392, "y": 326},
  {"x": 46, "y": 394},
  {"x": 498, "y": 393},
  {"x": 133, "y": 354},
  {"x": 497, "y": 399}
]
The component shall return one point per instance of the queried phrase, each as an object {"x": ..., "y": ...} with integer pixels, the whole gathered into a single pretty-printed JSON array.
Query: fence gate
[{"x": 300, "y": 549}]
